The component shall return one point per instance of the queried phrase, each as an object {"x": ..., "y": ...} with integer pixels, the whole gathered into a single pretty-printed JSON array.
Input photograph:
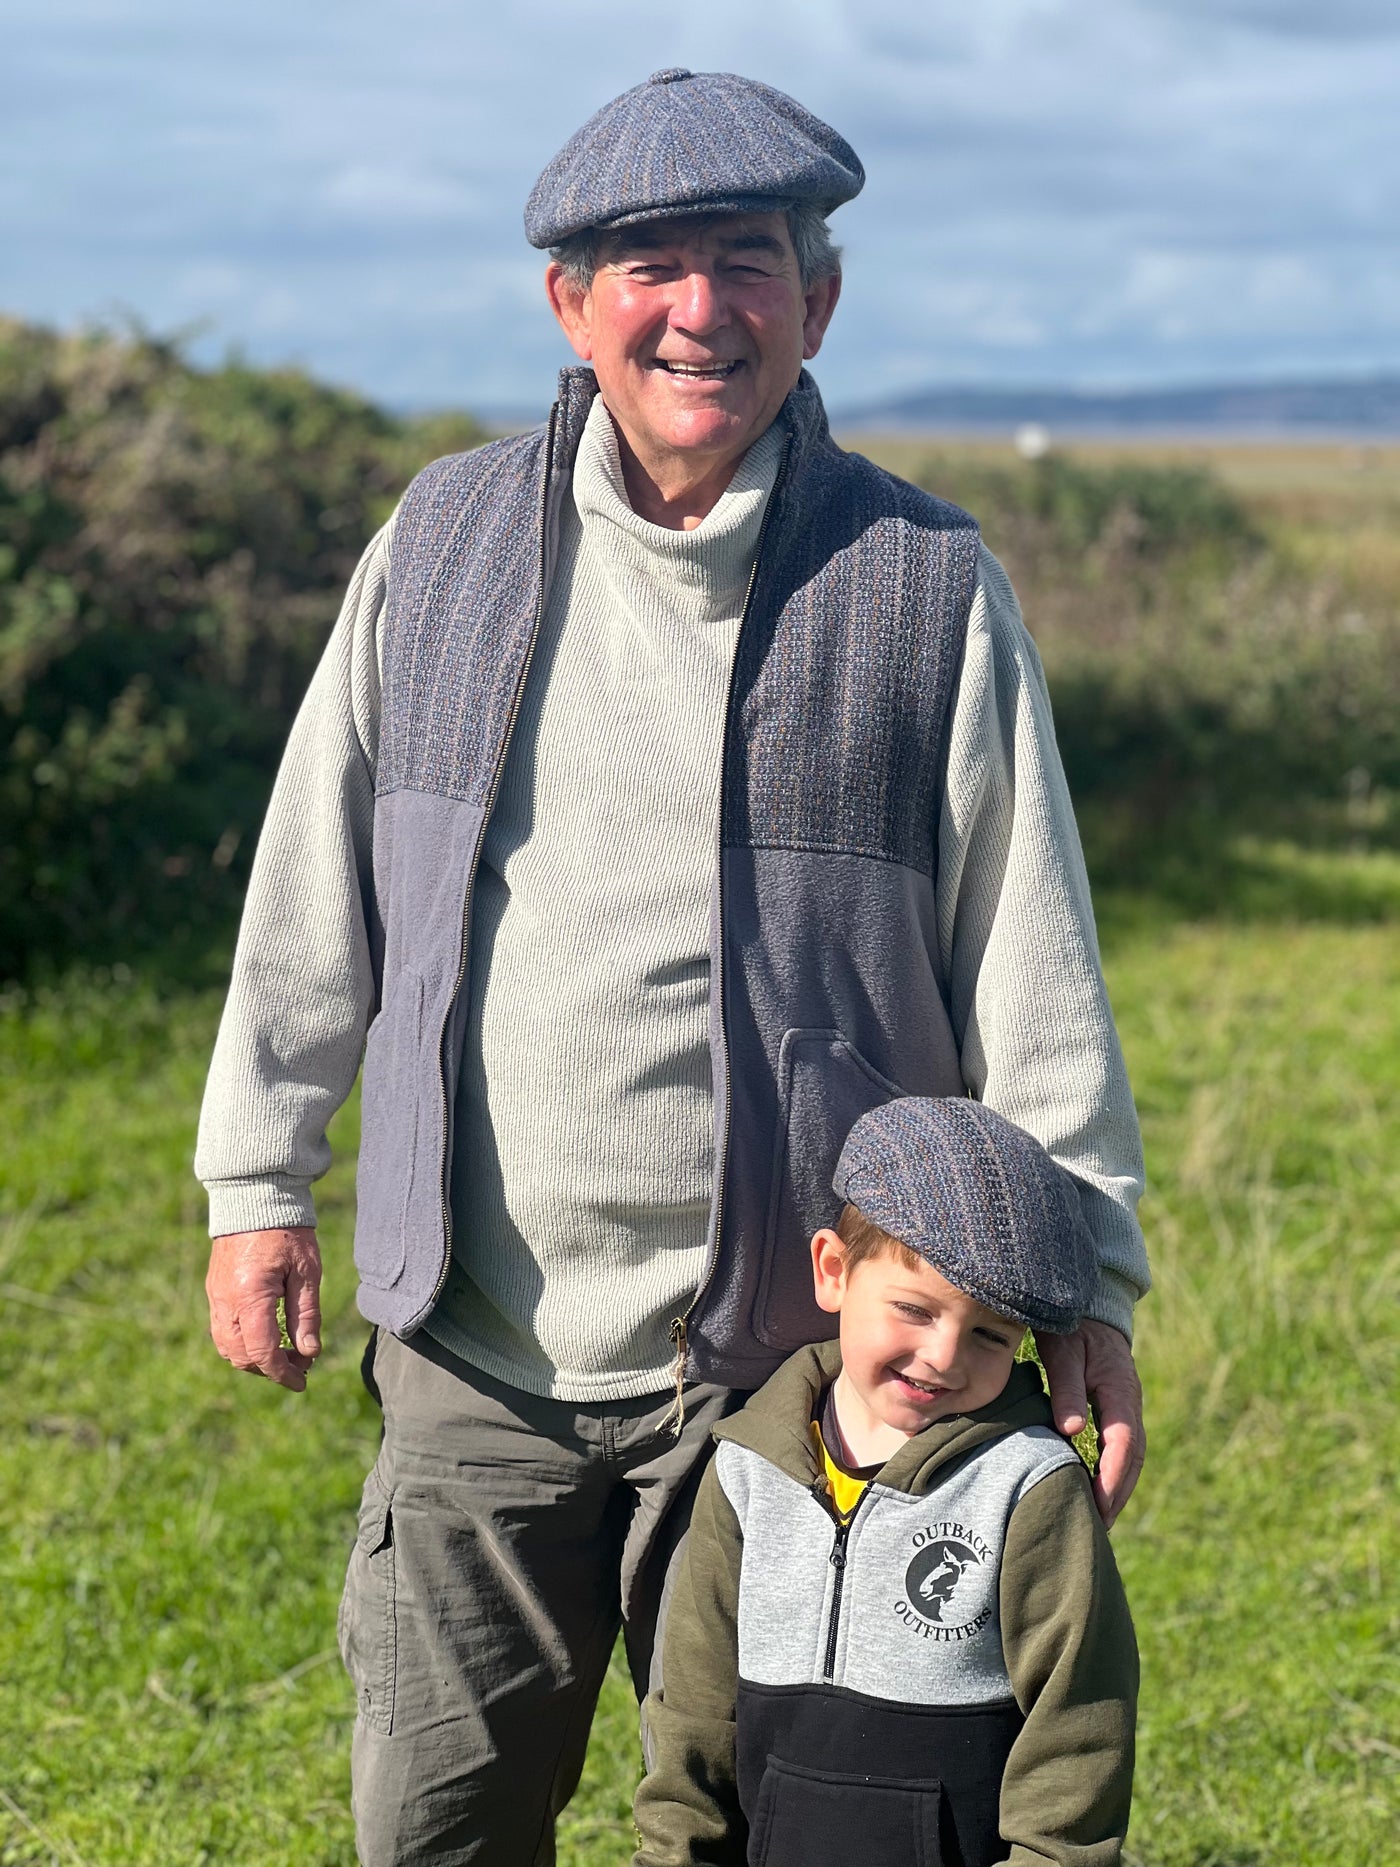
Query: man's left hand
[{"x": 1094, "y": 1366}]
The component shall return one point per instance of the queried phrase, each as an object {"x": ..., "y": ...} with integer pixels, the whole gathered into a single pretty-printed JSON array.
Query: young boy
[{"x": 898, "y": 1637}]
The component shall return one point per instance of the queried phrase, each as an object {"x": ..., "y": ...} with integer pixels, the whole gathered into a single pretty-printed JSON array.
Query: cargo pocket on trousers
[
  {"x": 367, "y": 1627},
  {"x": 820, "y": 1818}
]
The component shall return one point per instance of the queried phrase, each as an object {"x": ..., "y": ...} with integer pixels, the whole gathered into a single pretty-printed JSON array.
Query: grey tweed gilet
[{"x": 825, "y": 988}]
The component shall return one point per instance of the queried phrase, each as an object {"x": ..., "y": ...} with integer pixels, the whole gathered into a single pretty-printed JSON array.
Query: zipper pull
[
  {"x": 674, "y": 1418},
  {"x": 838, "y": 1547}
]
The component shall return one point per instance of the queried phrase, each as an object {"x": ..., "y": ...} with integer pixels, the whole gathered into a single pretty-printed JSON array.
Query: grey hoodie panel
[{"x": 919, "y": 1620}]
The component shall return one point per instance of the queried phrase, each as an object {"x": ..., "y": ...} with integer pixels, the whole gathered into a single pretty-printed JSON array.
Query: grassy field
[{"x": 173, "y": 1536}]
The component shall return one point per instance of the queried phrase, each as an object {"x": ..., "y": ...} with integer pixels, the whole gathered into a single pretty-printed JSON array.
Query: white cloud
[{"x": 1059, "y": 189}]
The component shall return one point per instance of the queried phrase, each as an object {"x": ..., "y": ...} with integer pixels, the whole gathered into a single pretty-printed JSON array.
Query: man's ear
[
  {"x": 821, "y": 303},
  {"x": 572, "y": 304},
  {"x": 828, "y": 1270}
]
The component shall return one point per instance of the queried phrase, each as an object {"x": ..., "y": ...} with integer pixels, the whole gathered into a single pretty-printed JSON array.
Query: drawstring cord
[{"x": 674, "y": 1417}]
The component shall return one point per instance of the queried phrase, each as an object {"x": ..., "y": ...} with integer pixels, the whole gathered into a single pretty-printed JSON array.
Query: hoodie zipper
[
  {"x": 465, "y": 949},
  {"x": 680, "y": 1323},
  {"x": 838, "y": 1563}
]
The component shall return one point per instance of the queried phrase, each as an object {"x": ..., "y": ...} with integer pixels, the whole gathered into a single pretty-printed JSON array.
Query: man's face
[
  {"x": 914, "y": 1348},
  {"x": 697, "y": 330}
]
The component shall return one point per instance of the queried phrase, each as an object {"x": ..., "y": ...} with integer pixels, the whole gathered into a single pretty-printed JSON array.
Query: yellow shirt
[{"x": 844, "y": 1488}]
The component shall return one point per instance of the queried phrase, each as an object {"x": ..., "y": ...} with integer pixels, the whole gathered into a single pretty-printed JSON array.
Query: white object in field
[{"x": 1032, "y": 441}]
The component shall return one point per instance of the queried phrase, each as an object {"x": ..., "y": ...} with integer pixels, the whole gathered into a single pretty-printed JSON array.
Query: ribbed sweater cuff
[
  {"x": 267, "y": 1205},
  {"x": 1114, "y": 1302}
]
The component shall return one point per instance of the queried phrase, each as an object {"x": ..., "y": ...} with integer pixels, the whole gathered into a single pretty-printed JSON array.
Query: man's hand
[
  {"x": 249, "y": 1273},
  {"x": 1095, "y": 1364}
]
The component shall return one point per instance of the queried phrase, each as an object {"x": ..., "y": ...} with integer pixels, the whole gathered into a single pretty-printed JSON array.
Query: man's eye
[{"x": 912, "y": 1311}]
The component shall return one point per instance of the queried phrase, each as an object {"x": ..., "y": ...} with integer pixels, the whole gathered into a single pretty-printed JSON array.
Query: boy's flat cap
[
  {"x": 690, "y": 140},
  {"x": 980, "y": 1200}
]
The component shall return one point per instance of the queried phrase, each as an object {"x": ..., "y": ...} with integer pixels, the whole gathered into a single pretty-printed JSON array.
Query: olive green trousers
[{"x": 503, "y": 1540}]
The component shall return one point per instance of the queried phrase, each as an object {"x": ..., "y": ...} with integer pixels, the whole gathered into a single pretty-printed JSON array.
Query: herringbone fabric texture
[
  {"x": 844, "y": 679},
  {"x": 980, "y": 1199},
  {"x": 689, "y": 139}
]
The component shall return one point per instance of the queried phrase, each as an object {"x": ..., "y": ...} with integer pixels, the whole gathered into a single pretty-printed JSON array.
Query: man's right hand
[{"x": 249, "y": 1273}]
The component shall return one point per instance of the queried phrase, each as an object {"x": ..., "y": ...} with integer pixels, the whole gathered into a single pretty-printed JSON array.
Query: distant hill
[{"x": 1363, "y": 406}]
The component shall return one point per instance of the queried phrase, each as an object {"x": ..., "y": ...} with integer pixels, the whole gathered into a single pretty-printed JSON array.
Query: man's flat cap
[
  {"x": 691, "y": 140},
  {"x": 980, "y": 1200}
]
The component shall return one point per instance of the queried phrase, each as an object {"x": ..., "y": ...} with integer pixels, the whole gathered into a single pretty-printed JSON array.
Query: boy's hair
[{"x": 864, "y": 1239}]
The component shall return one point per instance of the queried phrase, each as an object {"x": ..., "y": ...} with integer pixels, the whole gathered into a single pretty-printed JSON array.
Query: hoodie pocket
[
  {"x": 814, "y": 1818},
  {"x": 824, "y": 1086},
  {"x": 390, "y": 1107}
]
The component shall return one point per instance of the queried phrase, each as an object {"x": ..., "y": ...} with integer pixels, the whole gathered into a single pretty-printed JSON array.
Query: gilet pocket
[
  {"x": 818, "y": 1818},
  {"x": 389, "y": 1110},
  {"x": 367, "y": 1625},
  {"x": 824, "y": 1087}
]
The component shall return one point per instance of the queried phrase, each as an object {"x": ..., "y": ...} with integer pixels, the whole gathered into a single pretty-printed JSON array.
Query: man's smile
[{"x": 699, "y": 372}]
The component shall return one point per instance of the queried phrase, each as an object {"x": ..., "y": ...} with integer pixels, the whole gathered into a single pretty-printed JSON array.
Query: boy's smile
[{"x": 914, "y": 1348}]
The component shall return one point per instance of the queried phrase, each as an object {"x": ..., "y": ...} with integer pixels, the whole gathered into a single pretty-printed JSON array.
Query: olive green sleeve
[
  {"x": 1072, "y": 1657},
  {"x": 687, "y": 1809}
]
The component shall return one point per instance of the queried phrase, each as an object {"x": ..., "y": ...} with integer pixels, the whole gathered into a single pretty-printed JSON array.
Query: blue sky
[{"x": 1060, "y": 191}]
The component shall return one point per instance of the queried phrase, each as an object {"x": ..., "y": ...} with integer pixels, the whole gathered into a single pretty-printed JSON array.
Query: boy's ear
[{"x": 829, "y": 1270}]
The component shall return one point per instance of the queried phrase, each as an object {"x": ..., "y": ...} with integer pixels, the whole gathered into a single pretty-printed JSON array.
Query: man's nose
[{"x": 699, "y": 305}]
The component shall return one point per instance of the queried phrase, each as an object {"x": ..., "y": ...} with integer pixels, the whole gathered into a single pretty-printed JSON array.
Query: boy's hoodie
[{"x": 948, "y": 1680}]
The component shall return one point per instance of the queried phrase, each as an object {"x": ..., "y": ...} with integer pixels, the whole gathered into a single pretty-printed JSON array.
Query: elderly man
[{"x": 675, "y": 787}]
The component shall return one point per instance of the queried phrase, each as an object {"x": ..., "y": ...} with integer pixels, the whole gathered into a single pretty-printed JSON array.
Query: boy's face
[{"x": 914, "y": 1348}]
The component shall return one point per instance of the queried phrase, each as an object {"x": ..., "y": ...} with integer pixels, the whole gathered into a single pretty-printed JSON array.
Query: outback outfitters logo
[{"x": 944, "y": 1554}]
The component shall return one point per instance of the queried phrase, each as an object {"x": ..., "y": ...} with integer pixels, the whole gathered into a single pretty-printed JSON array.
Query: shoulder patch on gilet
[
  {"x": 465, "y": 586},
  {"x": 845, "y": 671}
]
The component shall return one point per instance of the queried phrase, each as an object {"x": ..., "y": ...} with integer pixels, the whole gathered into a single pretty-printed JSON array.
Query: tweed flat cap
[
  {"x": 689, "y": 140},
  {"x": 980, "y": 1200}
]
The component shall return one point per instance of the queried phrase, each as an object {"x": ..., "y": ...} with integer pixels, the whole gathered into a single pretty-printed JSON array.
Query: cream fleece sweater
[
  {"x": 584, "y": 1159},
  {"x": 585, "y": 1129}
]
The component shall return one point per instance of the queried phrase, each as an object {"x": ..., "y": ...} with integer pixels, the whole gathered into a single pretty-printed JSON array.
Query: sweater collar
[{"x": 715, "y": 556}]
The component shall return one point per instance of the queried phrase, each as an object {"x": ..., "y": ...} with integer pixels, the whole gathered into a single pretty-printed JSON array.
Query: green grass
[{"x": 174, "y": 1535}]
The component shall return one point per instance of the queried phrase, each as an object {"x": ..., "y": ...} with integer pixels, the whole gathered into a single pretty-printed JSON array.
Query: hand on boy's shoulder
[{"x": 1094, "y": 1367}]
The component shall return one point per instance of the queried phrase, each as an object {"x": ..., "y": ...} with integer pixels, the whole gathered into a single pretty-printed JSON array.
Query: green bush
[
  {"x": 174, "y": 543},
  {"x": 173, "y": 547}
]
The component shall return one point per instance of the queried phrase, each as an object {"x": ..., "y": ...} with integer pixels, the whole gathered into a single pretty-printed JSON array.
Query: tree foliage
[{"x": 173, "y": 547}]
